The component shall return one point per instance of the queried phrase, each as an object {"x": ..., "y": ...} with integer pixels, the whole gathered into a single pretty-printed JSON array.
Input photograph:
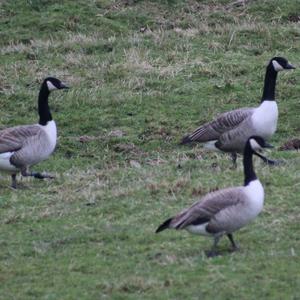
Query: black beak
[
  {"x": 289, "y": 66},
  {"x": 267, "y": 145},
  {"x": 63, "y": 86}
]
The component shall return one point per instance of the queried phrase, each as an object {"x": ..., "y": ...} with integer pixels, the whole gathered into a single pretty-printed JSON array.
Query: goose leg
[
  {"x": 41, "y": 176},
  {"x": 213, "y": 251},
  {"x": 13, "y": 181},
  {"x": 38, "y": 175},
  {"x": 234, "y": 158},
  {"x": 269, "y": 162},
  {"x": 233, "y": 244}
]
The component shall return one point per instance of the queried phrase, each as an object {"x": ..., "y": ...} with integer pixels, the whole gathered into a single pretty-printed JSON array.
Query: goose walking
[
  {"x": 227, "y": 210},
  {"x": 230, "y": 130},
  {"x": 27, "y": 145}
]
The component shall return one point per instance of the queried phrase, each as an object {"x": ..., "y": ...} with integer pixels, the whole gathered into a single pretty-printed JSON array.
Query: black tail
[
  {"x": 164, "y": 225},
  {"x": 186, "y": 140}
]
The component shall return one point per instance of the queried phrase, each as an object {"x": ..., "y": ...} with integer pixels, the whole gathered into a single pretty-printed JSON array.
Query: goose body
[
  {"x": 261, "y": 122},
  {"x": 31, "y": 144},
  {"x": 230, "y": 130},
  {"x": 227, "y": 216},
  {"x": 27, "y": 145},
  {"x": 227, "y": 210}
]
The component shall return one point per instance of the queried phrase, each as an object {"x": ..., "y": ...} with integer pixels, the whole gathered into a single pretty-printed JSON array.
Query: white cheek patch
[
  {"x": 50, "y": 86},
  {"x": 277, "y": 66},
  {"x": 254, "y": 144}
]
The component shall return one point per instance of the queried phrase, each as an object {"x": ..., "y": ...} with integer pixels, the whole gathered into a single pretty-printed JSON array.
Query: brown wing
[
  {"x": 207, "y": 207},
  {"x": 222, "y": 123},
  {"x": 12, "y": 139}
]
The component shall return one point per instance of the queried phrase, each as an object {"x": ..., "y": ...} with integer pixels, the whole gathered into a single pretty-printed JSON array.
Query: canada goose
[
  {"x": 230, "y": 130},
  {"x": 27, "y": 145},
  {"x": 227, "y": 210}
]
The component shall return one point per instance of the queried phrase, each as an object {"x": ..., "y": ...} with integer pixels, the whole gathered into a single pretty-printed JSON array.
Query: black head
[
  {"x": 257, "y": 143},
  {"x": 280, "y": 63},
  {"x": 54, "y": 84}
]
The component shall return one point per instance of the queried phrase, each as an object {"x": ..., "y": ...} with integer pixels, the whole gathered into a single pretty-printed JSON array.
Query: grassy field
[{"x": 142, "y": 74}]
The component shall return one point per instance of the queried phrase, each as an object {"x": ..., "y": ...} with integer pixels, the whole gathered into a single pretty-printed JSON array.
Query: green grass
[{"x": 144, "y": 73}]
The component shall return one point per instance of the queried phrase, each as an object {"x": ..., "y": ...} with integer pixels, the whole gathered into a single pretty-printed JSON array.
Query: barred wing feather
[
  {"x": 12, "y": 139},
  {"x": 222, "y": 123},
  {"x": 207, "y": 207}
]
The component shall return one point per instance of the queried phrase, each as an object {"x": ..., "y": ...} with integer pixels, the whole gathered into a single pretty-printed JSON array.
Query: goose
[
  {"x": 229, "y": 131},
  {"x": 27, "y": 145},
  {"x": 225, "y": 211}
]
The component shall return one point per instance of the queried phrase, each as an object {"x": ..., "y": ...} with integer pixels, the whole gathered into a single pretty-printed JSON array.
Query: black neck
[
  {"x": 43, "y": 107},
  {"x": 248, "y": 165},
  {"x": 270, "y": 83}
]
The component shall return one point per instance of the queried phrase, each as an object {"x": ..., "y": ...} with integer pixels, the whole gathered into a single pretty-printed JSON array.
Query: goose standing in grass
[
  {"x": 227, "y": 210},
  {"x": 230, "y": 130},
  {"x": 27, "y": 145}
]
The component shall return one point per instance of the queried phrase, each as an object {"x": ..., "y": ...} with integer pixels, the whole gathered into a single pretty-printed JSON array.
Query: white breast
[
  {"x": 255, "y": 198},
  {"x": 51, "y": 132},
  {"x": 265, "y": 119},
  {"x": 5, "y": 164}
]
